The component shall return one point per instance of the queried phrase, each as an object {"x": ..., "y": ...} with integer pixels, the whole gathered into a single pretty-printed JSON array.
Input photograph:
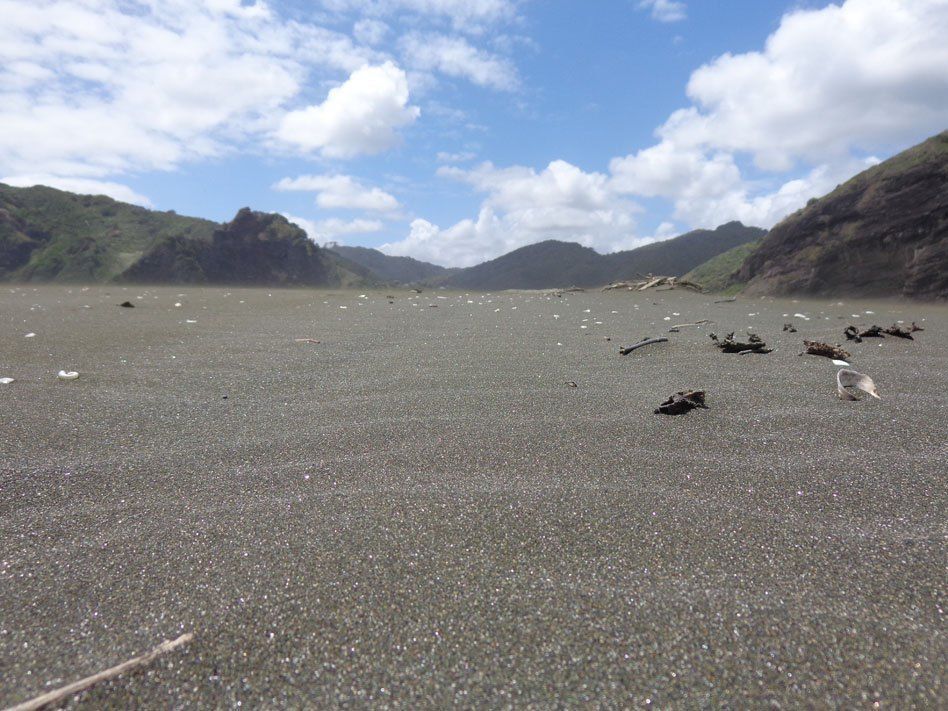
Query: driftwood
[
  {"x": 651, "y": 282},
  {"x": 65, "y": 692},
  {"x": 788, "y": 327},
  {"x": 679, "y": 326},
  {"x": 726, "y": 301},
  {"x": 898, "y": 331},
  {"x": 643, "y": 342},
  {"x": 306, "y": 340},
  {"x": 682, "y": 402},
  {"x": 854, "y": 334},
  {"x": 753, "y": 344},
  {"x": 824, "y": 349}
]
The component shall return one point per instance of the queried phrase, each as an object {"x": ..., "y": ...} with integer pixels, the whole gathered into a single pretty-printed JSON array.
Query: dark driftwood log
[
  {"x": 898, "y": 331},
  {"x": 824, "y": 349},
  {"x": 681, "y": 402},
  {"x": 643, "y": 342},
  {"x": 753, "y": 344}
]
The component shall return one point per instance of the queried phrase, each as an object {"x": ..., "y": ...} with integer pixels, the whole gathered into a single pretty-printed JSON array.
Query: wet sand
[{"x": 417, "y": 511}]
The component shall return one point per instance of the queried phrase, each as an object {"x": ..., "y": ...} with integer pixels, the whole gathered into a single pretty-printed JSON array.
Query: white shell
[
  {"x": 6, "y": 381},
  {"x": 67, "y": 375}
]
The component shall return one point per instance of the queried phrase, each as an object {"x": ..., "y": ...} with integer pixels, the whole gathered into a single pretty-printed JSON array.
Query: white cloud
[
  {"x": 522, "y": 207},
  {"x": 456, "y": 57},
  {"x": 830, "y": 84},
  {"x": 83, "y": 186},
  {"x": 341, "y": 192},
  {"x": 850, "y": 76},
  {"x": 666, "y": 10},
  {"x": 358, "y": 117},
  {"x": 320, "y": 231},
  {"x": 95, "y": 88}
]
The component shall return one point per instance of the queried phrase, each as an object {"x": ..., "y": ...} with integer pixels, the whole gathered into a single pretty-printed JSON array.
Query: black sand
[{"x": 417, "y": 511}]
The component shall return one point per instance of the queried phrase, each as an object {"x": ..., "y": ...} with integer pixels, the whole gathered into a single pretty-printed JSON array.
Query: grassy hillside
[
  {"x": 53, "y": 235},
  {"x": 716, "y": 274},
  {"x": 882, "y": 233}
]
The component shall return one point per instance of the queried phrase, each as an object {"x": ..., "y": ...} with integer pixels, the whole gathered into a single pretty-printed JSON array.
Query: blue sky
[{"x": 456, "y": 130}]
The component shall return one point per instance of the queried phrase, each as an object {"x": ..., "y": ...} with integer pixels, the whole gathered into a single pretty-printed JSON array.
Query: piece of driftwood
[
  {"x": 677, "y": 327},
  {"x": 726, "y": 301},
  {"x": 306, "y": 340},
  {"x": 682, "y": 402},
  {"x": 571, "y": 384},
  {"x": 854, "y": 334},
  {"x": 824, "y": 349},
  {"x": 898, "y": 332},
  {"x": 653, "y": 282},
  {"x": 788, "y": 327},
  {"x": 643, "y": 342},
  {"x": 65, "y": 692},
  {"x": 753, "y": 344}
]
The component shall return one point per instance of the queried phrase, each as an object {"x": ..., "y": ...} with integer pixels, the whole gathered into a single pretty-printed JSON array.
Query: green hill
[
  {"x": 53, "y": 235},
  {"x": 716, "y": 273}
]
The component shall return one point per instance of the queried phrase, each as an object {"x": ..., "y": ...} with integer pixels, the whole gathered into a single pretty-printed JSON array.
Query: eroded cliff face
[{"x": 883, "y": 233}]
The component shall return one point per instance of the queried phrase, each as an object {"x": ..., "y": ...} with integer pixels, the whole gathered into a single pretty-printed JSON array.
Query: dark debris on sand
[
  {"x": 753, "y": 344},
  {"x": 682, "y": 402}
]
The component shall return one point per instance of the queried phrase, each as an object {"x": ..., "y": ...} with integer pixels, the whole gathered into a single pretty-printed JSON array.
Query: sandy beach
[{"x": 417, "y": 511}]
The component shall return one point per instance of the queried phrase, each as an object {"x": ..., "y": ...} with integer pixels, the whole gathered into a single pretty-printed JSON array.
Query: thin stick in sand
[
  {"x": 643, "y": 342},
  {"x": 58, "y": 695}
]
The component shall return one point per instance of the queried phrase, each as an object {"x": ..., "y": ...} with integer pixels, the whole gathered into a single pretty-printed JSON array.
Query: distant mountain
[
  {"x": 553, "y": 264},
  {"x": 882, "y": 233},
  {"x": 53, "y": 235},
  {"x": 395, "y": 269},
  {"x": 255, "y": 248},
  {"x": 717, "y": 273}
]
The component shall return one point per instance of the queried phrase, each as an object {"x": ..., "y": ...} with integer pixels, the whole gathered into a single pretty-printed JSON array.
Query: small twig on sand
[
  {"x": 58, "y": 695},
  {"x": 306, "y": 340},
  {"x": 644, "y": 342},
  {"x": 726, "y": 301},
  {"x": 676, "y": 327}
]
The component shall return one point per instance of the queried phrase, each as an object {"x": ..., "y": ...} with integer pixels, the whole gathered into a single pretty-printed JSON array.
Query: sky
[{"x": 454, "y": 131}]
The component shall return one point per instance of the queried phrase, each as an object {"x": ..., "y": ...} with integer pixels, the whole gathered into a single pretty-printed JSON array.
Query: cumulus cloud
[
  {"x": 665, "y": 10},
  {"x": 525, "y": 206},
  {"x": 456, "y": 57},
  {"x": 94, "y": 88},
  {"x": 341, "y": 192},
  {"x": 320, "y": 231},
  {"x": 851, "y": 76},
  {"x": 358, "y": 117}
]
